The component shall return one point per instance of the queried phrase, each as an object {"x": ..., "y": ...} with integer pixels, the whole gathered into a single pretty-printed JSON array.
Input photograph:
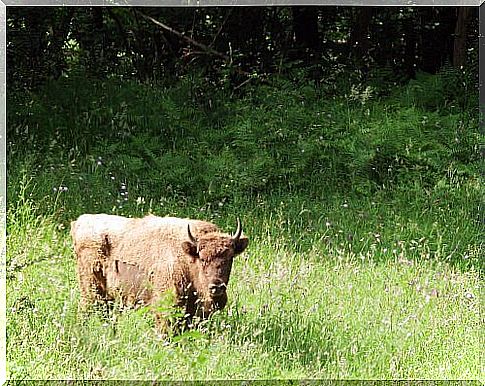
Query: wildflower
[{"x": 61, "y": 189}]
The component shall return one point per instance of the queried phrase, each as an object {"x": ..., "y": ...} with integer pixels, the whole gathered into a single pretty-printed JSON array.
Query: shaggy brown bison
[{"x": 137, "y": 260}]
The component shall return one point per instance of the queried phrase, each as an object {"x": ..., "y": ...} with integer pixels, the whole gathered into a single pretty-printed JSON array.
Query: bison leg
[
  {"x": 92, "y": 278},
  {"x": 92, "y": 282},
  {"x": 169, "y": 327},
  {"x": 162, "y": 325}
]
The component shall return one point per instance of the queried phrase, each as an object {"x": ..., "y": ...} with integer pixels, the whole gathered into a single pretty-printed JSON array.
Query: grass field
[{"x": 362, "y": 263}]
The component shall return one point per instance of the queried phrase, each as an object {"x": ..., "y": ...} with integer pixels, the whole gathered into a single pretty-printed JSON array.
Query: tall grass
[{"x": 362, "y": 213}]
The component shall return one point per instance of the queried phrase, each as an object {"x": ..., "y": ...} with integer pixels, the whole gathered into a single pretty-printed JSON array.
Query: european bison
[{"x": 137, "y": 260}]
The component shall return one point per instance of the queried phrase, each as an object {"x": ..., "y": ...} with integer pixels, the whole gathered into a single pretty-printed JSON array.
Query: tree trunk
[
  {"x": 359, "y": 36},
  {"x": 59, "y": 33},
  {"x": 37, "y": 46},
  {"x": 305, "y": 27},
  {"x": 99, "y": 47},
  {"x": 437, "y": 39},
  {"x": 410, "y": 35},
  {"x": 459, "y": 46}
]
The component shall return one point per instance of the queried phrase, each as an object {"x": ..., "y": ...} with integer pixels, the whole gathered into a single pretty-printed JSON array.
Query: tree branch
[
  {"x": 186, "y": 38},
  {"x": 222, "y": 25}
]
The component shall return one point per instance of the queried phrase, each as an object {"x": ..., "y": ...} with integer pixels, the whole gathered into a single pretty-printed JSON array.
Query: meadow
[{"x": 362, "y": 208}]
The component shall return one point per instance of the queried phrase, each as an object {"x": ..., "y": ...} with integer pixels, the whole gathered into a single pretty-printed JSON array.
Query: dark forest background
[{"x": 316, "y": 43}]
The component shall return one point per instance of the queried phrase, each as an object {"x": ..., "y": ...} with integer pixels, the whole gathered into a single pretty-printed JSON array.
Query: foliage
[
  {"x": 362, "y": 209},
  {"x": 380, "y": 43},
  {"x": 274, "y": 138}
]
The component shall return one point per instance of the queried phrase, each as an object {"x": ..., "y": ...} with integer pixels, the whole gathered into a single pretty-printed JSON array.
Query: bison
[{"x": 137, "y": 260}]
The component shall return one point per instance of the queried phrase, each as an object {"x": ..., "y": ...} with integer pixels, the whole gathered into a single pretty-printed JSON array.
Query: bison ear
[
  {"x": 240, "y": 245},
  {"x": 190, "y": 249}
]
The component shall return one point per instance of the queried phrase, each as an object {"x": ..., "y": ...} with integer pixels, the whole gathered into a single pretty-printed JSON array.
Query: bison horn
[
  {"x": 192, "y": 238},
  {"x": 236, "y": 235}
]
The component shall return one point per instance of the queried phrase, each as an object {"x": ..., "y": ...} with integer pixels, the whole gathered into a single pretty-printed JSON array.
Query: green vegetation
[{"x": 362, "y": 211}]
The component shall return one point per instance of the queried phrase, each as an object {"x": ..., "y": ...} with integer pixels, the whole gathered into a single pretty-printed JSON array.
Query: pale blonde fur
[{"x": 138, "y": 259}]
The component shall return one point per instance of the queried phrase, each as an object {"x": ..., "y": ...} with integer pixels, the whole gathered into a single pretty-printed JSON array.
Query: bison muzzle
[{"x": 136, "y": 261}]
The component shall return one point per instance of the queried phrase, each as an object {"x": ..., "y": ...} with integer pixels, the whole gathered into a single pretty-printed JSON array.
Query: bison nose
[{"x": 217, "y": 288}]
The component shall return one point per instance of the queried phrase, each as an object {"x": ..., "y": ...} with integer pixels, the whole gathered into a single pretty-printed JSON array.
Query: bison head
[{"x": 212, "y": 255}]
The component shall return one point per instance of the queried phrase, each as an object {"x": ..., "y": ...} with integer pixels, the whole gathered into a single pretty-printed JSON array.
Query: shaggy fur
[{"x": 138, "y": 260}]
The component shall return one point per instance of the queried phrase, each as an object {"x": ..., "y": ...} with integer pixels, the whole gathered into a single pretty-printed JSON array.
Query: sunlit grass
[
  {"x": 365, "y": 255},
  {"x": 300, "y": 307}
]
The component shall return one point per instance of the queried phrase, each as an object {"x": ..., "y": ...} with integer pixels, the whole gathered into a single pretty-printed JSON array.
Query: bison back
[{"x": 91, "y": 230}]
